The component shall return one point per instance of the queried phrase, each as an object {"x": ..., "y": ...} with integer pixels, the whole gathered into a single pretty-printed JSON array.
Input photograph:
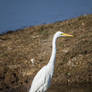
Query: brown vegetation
[{"x": 24, "y": 52}]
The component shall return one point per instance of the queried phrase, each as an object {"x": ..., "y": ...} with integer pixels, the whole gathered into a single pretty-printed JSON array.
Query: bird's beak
[{"x": 64, "y": 34}]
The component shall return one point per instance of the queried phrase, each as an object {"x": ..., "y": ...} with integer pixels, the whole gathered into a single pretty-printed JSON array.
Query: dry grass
[{"x": 73, "y": 60}]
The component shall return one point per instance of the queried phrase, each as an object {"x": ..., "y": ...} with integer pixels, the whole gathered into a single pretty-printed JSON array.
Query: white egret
[{"x": 42, "y": 80}]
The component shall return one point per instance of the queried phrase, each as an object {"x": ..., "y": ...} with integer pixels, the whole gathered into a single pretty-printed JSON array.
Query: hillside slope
[{"x": 24, "y": 52}]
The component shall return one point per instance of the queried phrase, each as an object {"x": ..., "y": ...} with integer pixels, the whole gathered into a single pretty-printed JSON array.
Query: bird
[{"x": 42, "y": 80}]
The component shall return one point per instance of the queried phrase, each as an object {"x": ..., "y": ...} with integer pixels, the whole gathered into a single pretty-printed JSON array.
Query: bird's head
[{"x": 62, "y": 34}]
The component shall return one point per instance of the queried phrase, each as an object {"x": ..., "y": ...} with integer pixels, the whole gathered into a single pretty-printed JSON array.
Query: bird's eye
[{"x": 61, "y": 33}]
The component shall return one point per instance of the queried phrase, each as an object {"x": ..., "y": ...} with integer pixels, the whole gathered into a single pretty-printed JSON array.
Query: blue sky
[{"x": 16, "y": 14}]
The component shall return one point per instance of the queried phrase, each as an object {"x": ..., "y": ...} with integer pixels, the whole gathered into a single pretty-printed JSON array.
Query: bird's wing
[{"x": 39, "y": 80}]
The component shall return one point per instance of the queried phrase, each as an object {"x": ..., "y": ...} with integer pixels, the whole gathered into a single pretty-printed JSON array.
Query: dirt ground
[{"x": 25, "y": 51}]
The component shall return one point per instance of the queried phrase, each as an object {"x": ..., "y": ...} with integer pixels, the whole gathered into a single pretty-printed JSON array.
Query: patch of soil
[{"x": 25, "y": 51}]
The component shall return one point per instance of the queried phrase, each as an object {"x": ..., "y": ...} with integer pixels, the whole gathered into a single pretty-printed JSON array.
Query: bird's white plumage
[{"x": 42, "y": 80}]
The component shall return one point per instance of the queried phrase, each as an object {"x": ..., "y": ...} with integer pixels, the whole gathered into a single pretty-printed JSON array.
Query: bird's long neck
[{"x": 53, "y": 55}]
